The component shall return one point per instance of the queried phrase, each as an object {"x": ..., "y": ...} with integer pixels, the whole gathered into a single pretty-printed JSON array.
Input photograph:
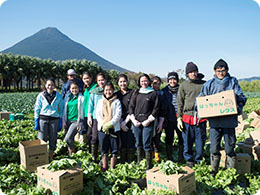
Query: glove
[
  {"x": 240, "y": 109},
  {"x": 160, "y": 125},
  {"x": 106, "y": 127},
  {"x": 60, "y": 124},
  {"x": 123, "y": 126},
  {"x": 36, "y": 124},
  {"x": 148, "y": 121},
  {"x": 89, "y": 121},
  {"x": 135, "y": 122},
  {"x": 180, "y": 123}
]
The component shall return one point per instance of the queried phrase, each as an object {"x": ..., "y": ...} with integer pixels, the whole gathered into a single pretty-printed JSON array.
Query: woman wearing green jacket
[{"x": 89, "y": 85}]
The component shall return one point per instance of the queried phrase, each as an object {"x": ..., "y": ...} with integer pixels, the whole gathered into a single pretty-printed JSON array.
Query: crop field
[{"x": 124, "y": 179}]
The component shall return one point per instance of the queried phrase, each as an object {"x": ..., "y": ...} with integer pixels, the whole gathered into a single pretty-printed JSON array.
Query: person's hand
[
  {"x": 146, "y": 123},
  {"x": 180, "y": 123},
  {"x": 135, "y": 122},
  {"x": 89, "y": 121},
  {"x": 123, "y": 126},
  {"x": 106, "y": 127},
  {"x": 240, "y": 109},
  {"x": 36, "y": 124},
  {"x": 160, "y": 125}
]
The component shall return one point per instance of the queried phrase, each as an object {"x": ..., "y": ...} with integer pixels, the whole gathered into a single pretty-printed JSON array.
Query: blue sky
[{"x": 150, "y": 36}]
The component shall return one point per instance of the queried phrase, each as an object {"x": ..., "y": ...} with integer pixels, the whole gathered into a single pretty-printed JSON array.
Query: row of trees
[{"x": 24, "y": 72}]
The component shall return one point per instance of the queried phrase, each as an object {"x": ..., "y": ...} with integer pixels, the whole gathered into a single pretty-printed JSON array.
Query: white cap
[{"x": 71, "y": 72}]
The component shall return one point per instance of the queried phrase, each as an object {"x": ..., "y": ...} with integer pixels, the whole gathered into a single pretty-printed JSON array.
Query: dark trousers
[
  {"x": 157, "y": 142},
  {"x": 191, "y": 134},
  {"x": 127, "y": 139},
  {"x": 169, "y": 131},
  {"x": 108, "y": 141},
  {"x": 229, "y": 138},
  {"x": 94, "y": 139},
  {"x": 143, "y": 137}
]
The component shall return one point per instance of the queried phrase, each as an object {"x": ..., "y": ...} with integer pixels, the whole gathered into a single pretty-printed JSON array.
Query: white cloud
[
  {"x": 258, "y": 2},
  {"x": 1, "y": 2}
]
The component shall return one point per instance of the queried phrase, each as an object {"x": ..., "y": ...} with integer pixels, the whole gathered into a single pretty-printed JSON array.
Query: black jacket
[
  {"x": 171, "y": 114},
  {"x": 125, "y": 101},
  {"x": 142, "y": 105}
]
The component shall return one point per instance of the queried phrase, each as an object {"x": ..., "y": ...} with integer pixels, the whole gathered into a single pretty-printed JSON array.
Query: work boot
[
  {"x": 214, "y": 161},
  {"x": 190, "y": 164},
  {"x": 131, "y": 155},
  {"x": 169, "y": 152},
  {"x": 94, "y": 152},
  {"x": 104, "y": 162},
  {"x": 149, "y": 158},
  {"x": 123, "y": 155},
  {"x": 231, "y": 161},
  {"x": 180, "y": 154},
  {"x": 113, "y": 161},
  {"x": 157, "y": 157},
  {"x": 139, "y": 155}
]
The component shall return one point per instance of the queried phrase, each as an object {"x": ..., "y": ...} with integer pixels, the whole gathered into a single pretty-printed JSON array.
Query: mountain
[
  {"x": 249, "y": 79},
  {"x": 51, "y": 43}
]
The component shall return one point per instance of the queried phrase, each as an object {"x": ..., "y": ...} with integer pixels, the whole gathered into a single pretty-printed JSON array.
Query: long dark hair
[
  {"x": 49, "y": 79},
  {"x": 87, "y": 73},
  {"x": 101, "y": 74}
]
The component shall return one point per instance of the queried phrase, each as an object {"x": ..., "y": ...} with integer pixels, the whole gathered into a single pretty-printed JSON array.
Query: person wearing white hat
[{"x": 71, "y": 75}]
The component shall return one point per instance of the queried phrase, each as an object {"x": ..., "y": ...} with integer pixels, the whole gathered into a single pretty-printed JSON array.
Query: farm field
[{"x": 121, "y": 180}]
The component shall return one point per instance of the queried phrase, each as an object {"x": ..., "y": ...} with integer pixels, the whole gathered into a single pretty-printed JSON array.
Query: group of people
[{"x": 131, "y": 121}]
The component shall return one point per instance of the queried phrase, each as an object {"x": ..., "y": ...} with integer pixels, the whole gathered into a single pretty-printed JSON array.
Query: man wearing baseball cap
[
  {"x": 193, "y": 129},
  {"x": 223, "y": 126},
  {"x": 71, "y": 75}
]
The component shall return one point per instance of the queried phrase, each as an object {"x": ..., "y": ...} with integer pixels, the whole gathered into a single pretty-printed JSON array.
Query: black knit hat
[
  {"x": 173, "y": 75},
  {"x": 190, "y": 67},
  {"x": 221, "y": 63}
]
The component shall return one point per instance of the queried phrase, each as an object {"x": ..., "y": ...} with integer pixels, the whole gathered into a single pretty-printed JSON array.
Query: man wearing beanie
[
  {"x": 193, "y": 129},
  {"x": 170, "y": 93},
  {"x": 224, "y": 125}
]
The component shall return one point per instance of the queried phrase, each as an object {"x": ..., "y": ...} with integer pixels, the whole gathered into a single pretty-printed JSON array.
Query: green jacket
[
  {"x": 187, "y": 93},
  {"x": 86, "y": 97}
]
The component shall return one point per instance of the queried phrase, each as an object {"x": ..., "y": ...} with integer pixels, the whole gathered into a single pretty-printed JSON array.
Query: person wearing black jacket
[
  {"x": 143, "y": 110},
  {"x": 127, "y": 138},
  {"x": 156, "y": 83},
  {"x": 170, "y": 124}
]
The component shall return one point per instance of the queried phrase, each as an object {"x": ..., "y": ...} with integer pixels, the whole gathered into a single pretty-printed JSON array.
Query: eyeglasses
[{"x": 220, "y": 71}]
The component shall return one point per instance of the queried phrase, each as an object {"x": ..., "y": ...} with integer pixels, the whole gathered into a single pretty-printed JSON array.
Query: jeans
[
  {"x": 229, "y": 138},
  {"x": 191, "y": 134},
  {"x": 143, "y": 137},
  {"x": 108, "y": 141},
  {"x": 70, "y": 135},
  {"x": 49, "y": 128}
]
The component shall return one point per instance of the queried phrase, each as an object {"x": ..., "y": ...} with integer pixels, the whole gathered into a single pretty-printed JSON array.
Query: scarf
[
  {"x": 98, "y": 90},
  {"x": 146, "y": 90},
  {"x": 173, "y": 89},
  {"x": 222, "y": 84},
  {"x": 49, "y": 96},
  {"x": 107, "y": 109}
]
